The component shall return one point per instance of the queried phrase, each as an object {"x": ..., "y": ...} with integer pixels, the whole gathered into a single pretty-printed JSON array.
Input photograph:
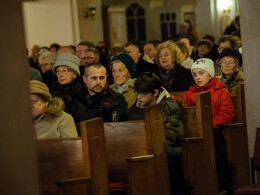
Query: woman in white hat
[{"x": 50, "y": 121}]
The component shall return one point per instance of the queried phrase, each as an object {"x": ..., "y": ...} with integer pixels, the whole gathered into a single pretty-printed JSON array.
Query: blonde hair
[{"x": 173, "y": 48}]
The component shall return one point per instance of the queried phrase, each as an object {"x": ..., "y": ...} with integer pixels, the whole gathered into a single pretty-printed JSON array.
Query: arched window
[
  {"x": 168, "y": 25},
  {"x": 136, "y": 22}
]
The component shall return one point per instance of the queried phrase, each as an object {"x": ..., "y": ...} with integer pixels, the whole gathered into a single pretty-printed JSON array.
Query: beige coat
[
  {"x": 128, "y": 93},
  {"x": 55, "y": 123}
]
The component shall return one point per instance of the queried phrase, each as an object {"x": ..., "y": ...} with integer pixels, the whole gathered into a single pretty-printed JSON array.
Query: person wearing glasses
[
  {"x": 67, "y": 86},
  {"x": 49, "y": 119},
  {"x": 225, "y": 41},
  {"x": 231, "y": 62},
  {"x": 90, "y": 56},
  {"x": 174, "y": 76},
  {"x": 149, "y": 91},
  {"x": 47, "y": 60}
]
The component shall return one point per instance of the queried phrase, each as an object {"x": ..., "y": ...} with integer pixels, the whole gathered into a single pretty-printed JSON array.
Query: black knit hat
[
  {"x": 232, "y": 53},
  {"x": 205, "y": 42},
  {"x": 128, "y": 61}
]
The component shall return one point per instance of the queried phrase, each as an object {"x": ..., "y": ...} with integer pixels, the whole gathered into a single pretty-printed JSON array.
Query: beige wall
[
  {"x": 91, "y": 28},
  {"x": 18, "y": 168},
  {"x": 48, "y": 21},
  {"x": 250, "y": 28}
]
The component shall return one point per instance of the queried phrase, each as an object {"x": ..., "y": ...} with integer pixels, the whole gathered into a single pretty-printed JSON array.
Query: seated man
[
  {"x": 150, "y": 91},
  {"x": 96, "y": 99}
]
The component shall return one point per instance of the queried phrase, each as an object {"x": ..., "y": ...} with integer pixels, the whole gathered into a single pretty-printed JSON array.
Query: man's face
[
  {"x": 96, "y": 80},
  {"x": 223, "y": 45},
  {"x": 149, "y": 49},
  {"x": 187, "y": 42},
  {"x": 133, "y": 52},
  {"x": 90, "y": 58},
  {"x": 80, "y": 53}
]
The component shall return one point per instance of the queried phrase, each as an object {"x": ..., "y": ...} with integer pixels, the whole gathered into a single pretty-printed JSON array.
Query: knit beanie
[
  {"x": 37, "y": 87},
  {"x": 205, "y": 64},
  {"x": 128, "y": 61},
  {"x": 232, "y": 53},
  {"x": 69, "y": 60},
  {"x": 205, "y": 42}
]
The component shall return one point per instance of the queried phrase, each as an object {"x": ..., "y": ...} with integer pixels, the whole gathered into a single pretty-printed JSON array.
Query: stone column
[
  {"x": 18, "y": 167},
  {"x": 250, "y": 28}
]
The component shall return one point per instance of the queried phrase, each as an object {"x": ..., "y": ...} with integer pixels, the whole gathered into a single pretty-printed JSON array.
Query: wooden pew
[
  {"x": 74, "y": 166},
  {"x": 198, "y": 148},
  {"x": 136, "y": 154},
  {"x": 236, "y": 140}
]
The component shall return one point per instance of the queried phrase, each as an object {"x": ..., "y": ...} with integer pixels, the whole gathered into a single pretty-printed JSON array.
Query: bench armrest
[
  {"x": 74, "y": 181},
  {"x": 193, "y": 139},
  {"x": 140, "y": 158},
  {"x": 233, "y": 125}
]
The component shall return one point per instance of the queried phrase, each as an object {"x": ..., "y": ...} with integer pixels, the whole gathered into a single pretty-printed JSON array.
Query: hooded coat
[
  {"x": 172, "y": 118},
  {"x": 55, "y": 123},
  {"x": 222, "y": 106}
]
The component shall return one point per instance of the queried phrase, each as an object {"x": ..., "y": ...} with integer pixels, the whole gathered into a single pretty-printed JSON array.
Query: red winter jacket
[{"x": 222, "y": 107}]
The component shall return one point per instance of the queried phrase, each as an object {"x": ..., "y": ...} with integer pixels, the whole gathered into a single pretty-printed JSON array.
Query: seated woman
[
  {"x": 69, "y": 83},
  {"x": 231, "y": 61},
  {"x": 123, "y": 68},
  {"x": 50, "y": 121},
  {"x": 222, "y": 108},
  {"x": 174, "y": 76}
]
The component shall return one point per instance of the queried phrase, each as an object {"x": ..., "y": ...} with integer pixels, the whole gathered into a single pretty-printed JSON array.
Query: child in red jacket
[{"x": 222, "y": 109}]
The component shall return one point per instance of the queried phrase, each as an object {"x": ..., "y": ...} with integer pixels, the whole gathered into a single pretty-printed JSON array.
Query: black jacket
[
  {"x": 177, "y": 79},
  {"x": 109, "y": 105}
]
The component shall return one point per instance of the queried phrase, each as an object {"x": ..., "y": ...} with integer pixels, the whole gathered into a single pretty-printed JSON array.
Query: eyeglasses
[
  {"x": 142, "y": 94},
  {"x": 89, "y": 58},
  {"x": 46, "y": 64},
  {"x": 65, "y": 71},
  {"x": 164, "y": 56}
]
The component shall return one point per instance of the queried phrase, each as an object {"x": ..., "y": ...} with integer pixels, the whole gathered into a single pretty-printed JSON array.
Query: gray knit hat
[
  {"x": 205, "y": 64},
  {"x": 67, "y": 59},
  {"x": 128, "y": 61}
]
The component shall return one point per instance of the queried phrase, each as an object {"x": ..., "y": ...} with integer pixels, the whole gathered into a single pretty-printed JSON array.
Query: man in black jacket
[{"x": 96, "y": 99}]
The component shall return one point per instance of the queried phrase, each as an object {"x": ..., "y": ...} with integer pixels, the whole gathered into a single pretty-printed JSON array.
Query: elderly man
[
  {"x": 141, "y": 65},
  {"x": 149, "y": 52},
  {"x": 90, "y": 56},
  {"x": 81, "y": 47},
  {"x": 96, "y": 99},
  {"x": 231, "y": 61}
]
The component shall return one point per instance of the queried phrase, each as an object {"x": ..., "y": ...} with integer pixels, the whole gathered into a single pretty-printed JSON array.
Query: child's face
[
  {"x": 147, "y": 98},
  {"x": 201, "y": 77}
]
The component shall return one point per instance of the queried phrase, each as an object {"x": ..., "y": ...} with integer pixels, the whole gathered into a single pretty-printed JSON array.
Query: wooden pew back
[
  {"x": 198, "y": 147},
  {"x": 136, "y": 153},
  {"x": 76, "y": 165},
  {"x": 236, "y": 140}
]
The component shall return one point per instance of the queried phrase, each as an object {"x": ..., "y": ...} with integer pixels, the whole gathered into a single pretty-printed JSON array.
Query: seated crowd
[{"x": 84, "y": 82}]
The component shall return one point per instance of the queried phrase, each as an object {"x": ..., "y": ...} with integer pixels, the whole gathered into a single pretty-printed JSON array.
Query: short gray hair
[{"x": 50, "y": 55}]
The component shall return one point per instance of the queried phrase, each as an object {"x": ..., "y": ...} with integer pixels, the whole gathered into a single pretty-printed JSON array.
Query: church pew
[
  {"x": 198, "y": 148},
  {"x": 136, "y": 154},
  {"x": 236, "y": 140},
  {"x": 74, "y": 165}
]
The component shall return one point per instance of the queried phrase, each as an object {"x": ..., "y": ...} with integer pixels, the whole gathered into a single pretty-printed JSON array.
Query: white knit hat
[{"x": 205, "y": 64}]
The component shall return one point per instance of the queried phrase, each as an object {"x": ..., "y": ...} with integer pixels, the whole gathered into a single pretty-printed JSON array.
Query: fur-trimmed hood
[{"x": 54, "y": 109}]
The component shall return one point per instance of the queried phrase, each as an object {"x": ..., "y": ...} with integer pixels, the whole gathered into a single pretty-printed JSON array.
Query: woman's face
[
  {"x": 46, "y": 65},
  {"x": 201, "y": 77},
  {"x": 65, "y": 75},
  {"x": 38, "y": 106},
  {"x": 120, "y": 73},
  {"x": 166, "y": 59},
  {"x": 228, "y": 65}
]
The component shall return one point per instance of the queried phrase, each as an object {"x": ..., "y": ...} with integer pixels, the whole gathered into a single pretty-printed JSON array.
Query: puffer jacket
[{"x": 222, "y": 107}]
